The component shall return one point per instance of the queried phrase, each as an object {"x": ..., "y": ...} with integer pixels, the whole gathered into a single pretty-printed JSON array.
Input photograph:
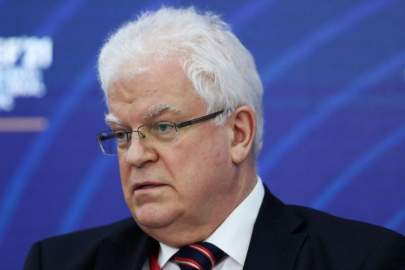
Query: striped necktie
[{"x": 198, "y": 256}]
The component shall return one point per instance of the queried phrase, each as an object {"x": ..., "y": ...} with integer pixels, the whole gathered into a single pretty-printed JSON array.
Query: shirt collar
[{"x": 237, "y": 228}]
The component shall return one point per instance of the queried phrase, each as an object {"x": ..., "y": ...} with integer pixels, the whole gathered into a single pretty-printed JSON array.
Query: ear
[{"x": 243, "y": 131}]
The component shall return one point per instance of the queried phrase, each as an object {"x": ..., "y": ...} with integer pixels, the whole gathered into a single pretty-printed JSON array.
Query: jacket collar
[{"x": 277, "y": 236}]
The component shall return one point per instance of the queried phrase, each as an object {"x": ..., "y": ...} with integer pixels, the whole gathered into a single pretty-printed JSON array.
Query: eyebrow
[
  {"x": 110, "y": 119},
  {"x": 158, "y": 110},
  {"x": 153, "y": 112}
]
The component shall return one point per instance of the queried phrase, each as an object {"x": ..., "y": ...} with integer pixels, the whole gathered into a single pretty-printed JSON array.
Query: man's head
[{"x": 165, "y": 68}]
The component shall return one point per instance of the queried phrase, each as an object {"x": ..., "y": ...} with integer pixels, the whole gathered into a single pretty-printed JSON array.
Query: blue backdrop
[{"x": 334, "y": 77}]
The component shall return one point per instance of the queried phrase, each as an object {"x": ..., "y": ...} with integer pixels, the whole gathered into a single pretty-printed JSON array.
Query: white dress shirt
[{"x": 232, "y": 236}]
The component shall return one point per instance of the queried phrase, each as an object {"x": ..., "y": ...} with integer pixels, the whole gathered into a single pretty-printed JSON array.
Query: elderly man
[{"x": 184, "y": 101}]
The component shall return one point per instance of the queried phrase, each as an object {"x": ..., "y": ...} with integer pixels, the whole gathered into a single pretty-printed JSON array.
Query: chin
[{"x": 151, "y": 218}]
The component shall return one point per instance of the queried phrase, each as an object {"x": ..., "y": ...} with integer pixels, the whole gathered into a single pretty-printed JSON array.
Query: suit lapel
[
  {"x": 276, "y": 239},
  {"x": 127, "y": 250}
]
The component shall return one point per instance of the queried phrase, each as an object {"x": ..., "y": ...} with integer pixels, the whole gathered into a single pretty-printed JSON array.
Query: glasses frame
[{"x": 103, "y": 136}]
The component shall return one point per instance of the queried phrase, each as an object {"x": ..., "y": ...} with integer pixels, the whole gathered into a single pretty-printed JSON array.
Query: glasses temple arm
[{"x": 199, "y": 119}]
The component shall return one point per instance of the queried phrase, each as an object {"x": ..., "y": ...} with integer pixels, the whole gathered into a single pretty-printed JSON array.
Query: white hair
[{"x": 222, "y": 70}]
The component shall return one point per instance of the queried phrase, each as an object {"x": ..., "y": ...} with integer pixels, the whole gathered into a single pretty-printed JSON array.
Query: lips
[{"x": 147, "y": 185}]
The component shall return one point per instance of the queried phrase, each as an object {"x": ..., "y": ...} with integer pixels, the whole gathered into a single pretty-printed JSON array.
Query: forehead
[{"x": 162, "y": 85}]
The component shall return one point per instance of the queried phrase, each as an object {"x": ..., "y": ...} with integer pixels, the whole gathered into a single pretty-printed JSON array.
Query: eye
[
  {"x": 162, "y": 128},
  {"x": 121, "y": 136}
]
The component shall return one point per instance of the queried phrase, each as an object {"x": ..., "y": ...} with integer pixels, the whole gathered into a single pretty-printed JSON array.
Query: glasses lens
[
  {"x": 161, "y": 131},
  {"x": 108, "y": 143}
]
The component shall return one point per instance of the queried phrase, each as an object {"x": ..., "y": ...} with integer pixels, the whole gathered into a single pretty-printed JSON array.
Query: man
[{"x": 184, "y": 101}]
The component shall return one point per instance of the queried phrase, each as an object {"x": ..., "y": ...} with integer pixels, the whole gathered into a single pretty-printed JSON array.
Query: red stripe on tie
[
  {"x": 189, "y": 262},
  {"x": 206, "y": 252}
]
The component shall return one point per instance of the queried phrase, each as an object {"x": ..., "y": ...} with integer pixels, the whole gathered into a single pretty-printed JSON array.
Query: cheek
[
  {"x": 201, "y": 163},
  {"x": 124, "y": 175},
  {"x": 214, "y": 152},
  {"x": 209, "y": 145}
]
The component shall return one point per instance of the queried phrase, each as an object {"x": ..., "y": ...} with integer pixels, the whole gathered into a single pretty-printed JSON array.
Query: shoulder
[
  {"x": 324, "y": 228},
  {"x": 78, "y": 247},
  {"x": 322, "y": 223},
  {"x": 91, "y": 236},
  {"x": 324, "y": 241},
  {"x": 338, "y": 238}
]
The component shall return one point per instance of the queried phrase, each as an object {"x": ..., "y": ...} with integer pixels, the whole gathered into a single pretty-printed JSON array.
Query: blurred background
[{"x": 334, "y": 78}]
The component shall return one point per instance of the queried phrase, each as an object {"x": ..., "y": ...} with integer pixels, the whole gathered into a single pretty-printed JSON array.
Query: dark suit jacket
[{"x": 284, "y": 237}]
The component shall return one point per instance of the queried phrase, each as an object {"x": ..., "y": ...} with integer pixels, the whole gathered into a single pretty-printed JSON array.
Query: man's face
[{"x": 186, "y": 185}]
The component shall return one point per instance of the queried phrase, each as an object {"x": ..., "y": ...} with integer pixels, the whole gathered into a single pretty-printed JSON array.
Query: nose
[{"x": 140, "y": 153}]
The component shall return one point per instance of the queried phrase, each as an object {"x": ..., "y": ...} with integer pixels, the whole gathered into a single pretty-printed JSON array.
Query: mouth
[{"x": 147, "y": 186}]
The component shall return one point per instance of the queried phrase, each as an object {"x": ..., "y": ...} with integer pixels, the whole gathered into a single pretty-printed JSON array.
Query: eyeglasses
[{"x": 116, "y": 141}]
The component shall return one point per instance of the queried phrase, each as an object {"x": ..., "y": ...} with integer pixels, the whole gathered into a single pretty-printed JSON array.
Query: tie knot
[{"x": 200, "y": 256}]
